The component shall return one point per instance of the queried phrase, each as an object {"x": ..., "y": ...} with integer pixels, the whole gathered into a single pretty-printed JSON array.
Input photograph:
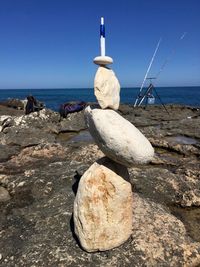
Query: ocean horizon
[{"x": 54, "y": 97}]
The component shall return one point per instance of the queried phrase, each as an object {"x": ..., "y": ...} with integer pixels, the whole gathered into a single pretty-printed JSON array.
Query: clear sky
[{"x": 52, "y": 43}]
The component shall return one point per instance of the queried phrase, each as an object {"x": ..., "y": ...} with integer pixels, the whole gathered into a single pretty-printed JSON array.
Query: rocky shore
[{"x": 42, "y": 158}]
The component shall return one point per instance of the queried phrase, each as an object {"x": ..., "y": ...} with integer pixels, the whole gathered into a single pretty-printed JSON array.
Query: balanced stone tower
[{"x": 103, "y": 204}]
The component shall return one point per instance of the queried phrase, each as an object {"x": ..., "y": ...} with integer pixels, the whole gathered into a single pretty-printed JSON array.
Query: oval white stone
[
  {"x": 103, "y": 60},
  {"x": 118, "y": 138}
]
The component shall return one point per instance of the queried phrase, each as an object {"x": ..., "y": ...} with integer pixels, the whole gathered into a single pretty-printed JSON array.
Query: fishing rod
[
  {"x": 141, "y": 98},
  {"x": 147, "y": 72}
]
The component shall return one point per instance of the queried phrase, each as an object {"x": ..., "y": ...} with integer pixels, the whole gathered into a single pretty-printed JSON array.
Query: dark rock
[
  {"x": 7, "y": 151},
  {"x": 74, "y": 122},
  {"x": 27, "y": 130},
  {"x": 27, "y": 136},
  {"x": 125, "y": 109},
  {"x": 4, "y": 110},
  {"x": 13, "y": 103}
]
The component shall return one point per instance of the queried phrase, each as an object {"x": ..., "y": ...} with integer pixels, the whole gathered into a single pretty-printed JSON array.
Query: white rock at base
[
  {"x": 118, "y": 138},
  {"x": 103, "y": 60},
  {"x": 102, "y": 209},
  {"x": 107, "y": 88}
]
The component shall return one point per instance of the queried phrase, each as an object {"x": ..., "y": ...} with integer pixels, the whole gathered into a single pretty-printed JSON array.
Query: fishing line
[{"x": 170, "y": 56}]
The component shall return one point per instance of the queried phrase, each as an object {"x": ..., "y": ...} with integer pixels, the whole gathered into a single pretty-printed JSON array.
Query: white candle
[{"x": 102, "y": 38}]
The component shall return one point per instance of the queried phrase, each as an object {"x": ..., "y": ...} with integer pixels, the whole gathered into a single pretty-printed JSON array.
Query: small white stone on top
[{"x": 103, "y": 60}]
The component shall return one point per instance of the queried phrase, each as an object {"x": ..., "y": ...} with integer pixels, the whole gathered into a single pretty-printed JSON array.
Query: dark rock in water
[{"x": 38, "y": 174}]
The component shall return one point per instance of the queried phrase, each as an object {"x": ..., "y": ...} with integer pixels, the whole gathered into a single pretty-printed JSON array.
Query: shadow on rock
[
  {"x": 77, "y": 178},
  {"x": 20, "y": 199},
  {"x": 72, "y": 227},
  {"x": 118, "y": 168}
]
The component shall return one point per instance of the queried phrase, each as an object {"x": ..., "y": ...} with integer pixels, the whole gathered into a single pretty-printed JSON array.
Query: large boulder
[
  {"x": 107, "y": 88},
  {"x": 118, "y": 138},
  {"x": 103, "y": 207}
]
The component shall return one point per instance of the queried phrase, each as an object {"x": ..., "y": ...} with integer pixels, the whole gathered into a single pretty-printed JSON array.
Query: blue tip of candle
[{"x": 102, "y": 30}]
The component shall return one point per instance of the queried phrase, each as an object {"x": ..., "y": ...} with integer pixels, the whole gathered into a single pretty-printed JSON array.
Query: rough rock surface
[
  {"x": 160, "y": 238},
  {"x": 36, "y": 223},
  {"x": 107, "y": 88},
  {"x": 74, "y": 123},
  {"x": 190, "y": 198},
  {"x": 27, "y": 130},
  {"x": 118, "y": 138},
  {"x": 7, "y": 151},
  {"x": 103, "y": 207},
  {"x": 36, "y": 128}
]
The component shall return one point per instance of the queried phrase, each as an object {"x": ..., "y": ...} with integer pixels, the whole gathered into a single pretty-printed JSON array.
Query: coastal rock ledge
[{"x": 41, "y": 180}]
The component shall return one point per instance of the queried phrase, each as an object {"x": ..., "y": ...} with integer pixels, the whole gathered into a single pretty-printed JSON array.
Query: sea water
[{"x": 53, "y": 98}]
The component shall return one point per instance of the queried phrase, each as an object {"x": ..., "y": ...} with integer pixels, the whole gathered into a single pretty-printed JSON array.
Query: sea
[{"x": 53, "y": 98}]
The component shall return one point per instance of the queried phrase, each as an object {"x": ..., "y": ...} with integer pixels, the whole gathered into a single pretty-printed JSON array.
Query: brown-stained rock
[{"x": 103, "y": 208}]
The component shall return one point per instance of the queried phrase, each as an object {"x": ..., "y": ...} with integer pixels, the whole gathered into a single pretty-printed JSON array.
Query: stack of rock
[{"x": 103, "y": 204}]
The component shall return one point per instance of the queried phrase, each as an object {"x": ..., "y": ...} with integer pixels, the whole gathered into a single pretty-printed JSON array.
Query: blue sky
[{"x": 52, "y": 43}]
